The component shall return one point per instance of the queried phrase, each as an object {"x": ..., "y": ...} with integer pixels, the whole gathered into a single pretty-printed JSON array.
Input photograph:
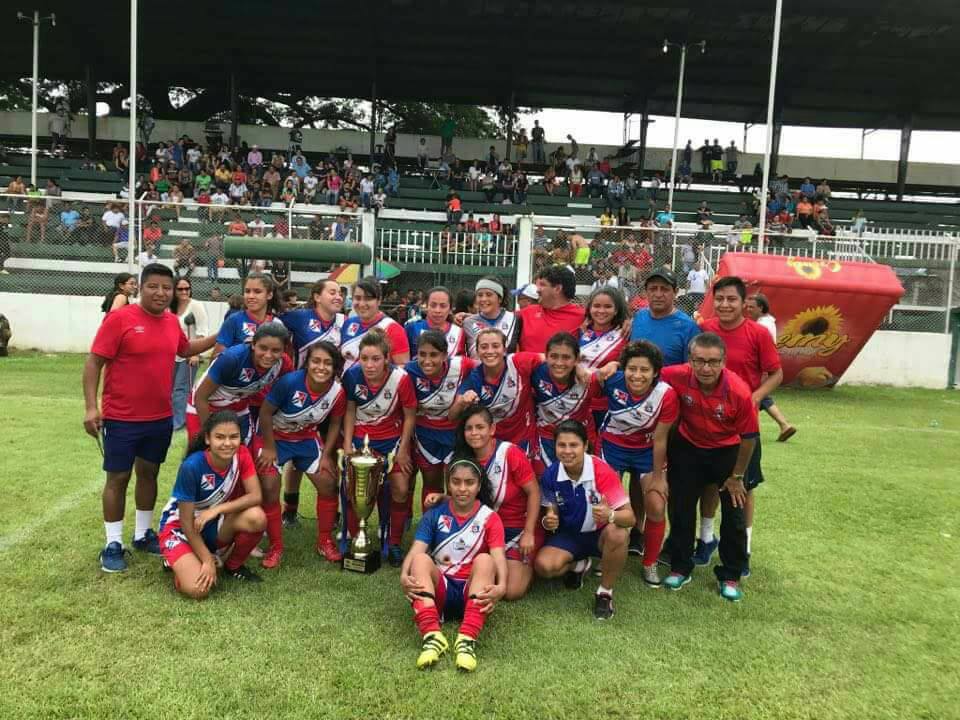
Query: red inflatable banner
[{"x": 825, "y": 310}]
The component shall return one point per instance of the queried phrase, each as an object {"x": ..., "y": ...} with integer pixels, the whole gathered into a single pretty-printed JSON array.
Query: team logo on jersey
[
  {"x": 511, "y": 383},
  {"x": 688, "y": 399},
  {"x": 718, "y": 411},
  {"x": 352, "y": 328},
  {"x": 249, "y": 329},
  {"x": 139, "y": 329},
  {"x": 444, "y": 523},
  {"x": 299, "y": 398},
  {"x": 361, "y": 392},
  {"x": 594, "y": 498},
  {"x": 314, "y": 325},
  {"x": 546, "y": 387},
  {"x": 648, "y": 408},
  {"x": 620, "y": 396},
  {"x": 460, "y": 545},
  {"x": 486, "y": 393},
  {"x": 475, "y": 529},
  {"x": 451, "y": 385},
  {"x": 208, "y": 481},
  {"x": 171, "y": 543},
  {"x": 247, "y": 374},
  {"x": 423, "y": 385},
  {"x": 387, "y": 394},
  {"x": 324, "y": 404}
]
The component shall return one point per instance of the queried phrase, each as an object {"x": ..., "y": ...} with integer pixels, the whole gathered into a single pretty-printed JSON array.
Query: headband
[
  {"x": 491, "y": 285},
  {"x": 464, "y": 461}
]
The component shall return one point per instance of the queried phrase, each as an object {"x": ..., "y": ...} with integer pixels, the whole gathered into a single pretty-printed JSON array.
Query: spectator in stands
[
  {"x": 447, "y": 130},
  {"x": 124, "y": 288},
  {"x": 537, "y": 135},
  {"x": 595, "y": 182},
  {"x": 732, "y": 156},
  {"x": 16, "y": 187},
  {"x": 607, "y": 218},
  {"x": 615, "y": 192},
  {"x": 705, "y": 156},
  {"x": 779, "y": 186},
  {"x": 805, "y": 212},
  {"x": 222, "y": 176},
  {"x": 858, "y": 223},
  {"x": 697, "y": 280},
  {"x": 341, "y": 229},
  {"x": 574, "y": 149},
  {"x": 423, "y": 154},
  {"x": 704, "y": 212},
  {"x": 237, "y": 226},
  {"x": 69, "y": 218},
  {"x": 185, "y": 181},
  {"x": 112, "y": 218},
  {"x": 334, "y": 183},
  {"x": 366, "y": 191},
  {"x": 623, "y": 217},
  {"x": 153, "y": 233},
  {"x": 507, "y": 185},
  {"x": 521, "y": 143},
  {"x": 716, "y": 161},
  {"x": 665, "y": 217},
  {"x": 213, "y": 249},
  {"x": 193, "y": 158},
  {"x": 821, "y": 214},
  {"x": 218, "y": 204},
  {"x": 654, "y": 188},
  {"x": 520, "y": 187},
  {"x": 807, "y": 188},
  {"x": 272, "y": 180},
  {"x": 575, "y": 181},
  {"x": 148, "y": 254},
  {"x": 175, "y": 198},
  {"x": 202, "y": 181},
  {"x": 493, "y": 159},
  {"x": 288, "y": 196},
  {"x": 257, "y": 227},
  {"x": 393, "y": 181},
  {"x": 379, "y": 200},
  {"x": 237, "y": 192},
  {"x": 184, "y": 258},
  {"x": 454, "y": 209},
  {"x": 121, "y": 240},
  {"x": 549, "y": 180},
  {"x": 823, "y": 190},
  {"x": 255, "y": 157}
]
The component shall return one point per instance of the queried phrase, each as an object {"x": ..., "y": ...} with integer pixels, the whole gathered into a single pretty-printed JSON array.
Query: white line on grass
[
  {"x": 887, "y": 428},
  {"x": 25, "y": 532}
]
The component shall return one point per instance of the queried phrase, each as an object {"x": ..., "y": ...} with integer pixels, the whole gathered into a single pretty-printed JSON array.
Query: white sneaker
[{"x": 651, "y": 577}]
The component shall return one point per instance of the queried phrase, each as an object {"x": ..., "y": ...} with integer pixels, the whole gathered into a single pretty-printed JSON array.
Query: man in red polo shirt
[
  {"x": 751, "y": 354},
  {"x": 712, "y": 446},
  {"x": 557, "y": 286},
  {"x": 135, "y": 349}
]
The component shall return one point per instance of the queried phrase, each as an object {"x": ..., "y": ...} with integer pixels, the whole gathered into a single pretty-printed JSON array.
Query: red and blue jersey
[
  {"x": 598, "y": 349},
  {"x": 575, "y": 498},
  {"x": 555, "y": 403},
  {"x": 454, "y": 541},
  {"x": 239, "y": 328},
  {"x": 307, "y": 328},
  {"x": 508, "y": 398},
  {"x": 354, "y": 329},
  {"x": 631, "y": 420},
  {"x": 436, "y": 395},
  {"x": 200, "y": 483},
  {"x": 506, "y": 322},
  {"x": 454, "y": 334},
  {"x": 298, "y": 411},
  {"x": 238, "y": 379},
  {"x": 509, "y": 471},
  {"x": 379, "y": 407}
]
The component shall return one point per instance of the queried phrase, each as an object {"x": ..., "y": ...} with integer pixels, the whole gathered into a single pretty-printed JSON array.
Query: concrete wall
[
  {"x": 115, "y": 128},
  {"x": 57, "y": 323}
]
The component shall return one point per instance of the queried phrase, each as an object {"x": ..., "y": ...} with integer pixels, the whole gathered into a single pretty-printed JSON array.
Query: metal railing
[{"x": 474, "y": 250}]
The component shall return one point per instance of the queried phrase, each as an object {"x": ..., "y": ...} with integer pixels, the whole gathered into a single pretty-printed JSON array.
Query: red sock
[
  {"x": 326, "y": 515},
  {"x": 398, "y": 518},
  {"x": 652, "y": 540},
  {"x": 426, "y": 617},
  {"x": 473, "y": 619},
  {"x": 243, "y": 545},
  {"x": 274, "y": 525}
]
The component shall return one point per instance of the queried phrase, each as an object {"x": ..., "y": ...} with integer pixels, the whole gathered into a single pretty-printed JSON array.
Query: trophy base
[{"x": 365, "y": 565}]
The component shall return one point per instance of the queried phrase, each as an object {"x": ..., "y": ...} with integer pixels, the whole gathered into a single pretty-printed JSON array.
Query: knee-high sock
[
  {"x": 473, "y": 619},
  {"x": 243, "y": 545},
  {"x": 652, "y": 540},
  {"x": 398, "y": 518},
  {"x": 326, "y": 515},
  {"x": 291, "y": 501},
  {"x": 426, "y": 617},
  {"x": 274, "y": 524}
]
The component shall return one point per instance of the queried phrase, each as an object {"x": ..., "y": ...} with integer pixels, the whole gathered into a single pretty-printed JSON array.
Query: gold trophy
[{"x": 364, "y": 476}]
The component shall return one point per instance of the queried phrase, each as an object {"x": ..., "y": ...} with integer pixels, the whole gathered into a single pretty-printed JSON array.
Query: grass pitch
[{"x": 851, "y": 612}]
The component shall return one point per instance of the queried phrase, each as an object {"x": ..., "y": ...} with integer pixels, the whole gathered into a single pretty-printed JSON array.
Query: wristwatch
[
  {"x": 738, "y": 476},
  {"x": 611, "y": 516}
]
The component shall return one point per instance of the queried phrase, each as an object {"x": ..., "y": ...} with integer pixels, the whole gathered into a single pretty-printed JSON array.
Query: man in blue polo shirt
[{"x": 667, "y": 327}]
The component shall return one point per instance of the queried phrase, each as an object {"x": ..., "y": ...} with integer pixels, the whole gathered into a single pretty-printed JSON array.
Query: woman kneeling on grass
[
  {"x": 456, "y": 566},
  {"x": 215, "y": 504},
  {"x": 588, "y": 514}
]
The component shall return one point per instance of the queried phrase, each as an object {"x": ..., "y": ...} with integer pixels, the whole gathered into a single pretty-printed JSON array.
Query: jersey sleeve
[
  {"x": 411, "y": 332},
  {"x": 278, "y": 393},
  {"x": 187, "y": 486},
  {"x": 670, "y": 410},
  {"x": 748, "y": 421},
  {"x": 228, "y": 330},
  {"x": 407, "y": 393},
  {"x": 519, "y": 467},
  {"x": 397, "y": 339},
  {"x": 247, "y": 468},
  {"x": 692, "y": 330},
  {"x": 426, "y": 527},
  {"x": 183, "y": 343},
  {"x": 526, "y": 362},
  {"x": 673, "y": 375},
  {"x": 493, "y": 531},
  {"x": 223, "y": 366},
  {"x": 767, "y": 349},
  {"x": 471, "y": 382},
  {"x": 595, "y": 389},
  {"x": 548, "y": 488},
  {"x": 106, "y": 343},
  {"x": 609, "y": 485},
  {"x": 350, "y": 383}
]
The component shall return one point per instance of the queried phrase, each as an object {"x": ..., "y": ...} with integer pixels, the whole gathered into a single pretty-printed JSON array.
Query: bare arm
[
  {"x": 329, "y": 453},
  {"x": 250, "y": 498},
  {"x": 768, "y": 386},
  {"x": 660, "y": 436},
  {"x": 92, "y": 422},
  {"x": 269, "y": 453},
  {"x": 201, "y": 399},
  {"x": 200, "y": 345},
  {"x": 349, "y": 423},
  {"x": 461, "y": 403},
  {"x": 189, "y": 527}
]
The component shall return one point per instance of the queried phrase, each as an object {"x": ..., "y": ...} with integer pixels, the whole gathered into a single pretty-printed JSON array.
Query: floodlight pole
[
  {"x": 132, "y": 158},
  {"x": 768, "y": 144},
  {"x": 676, "y": 118},
  {"x": 35, "y": 20}
]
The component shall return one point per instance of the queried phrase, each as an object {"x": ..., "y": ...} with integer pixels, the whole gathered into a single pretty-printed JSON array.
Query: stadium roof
[{"x": 855, "y": 63}]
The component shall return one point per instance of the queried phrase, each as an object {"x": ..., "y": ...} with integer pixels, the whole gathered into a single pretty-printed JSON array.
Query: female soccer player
[
  {"x": 439, "y": 303},
  {"x": 366, "y": 316},
  {"x": 261, "y": 304},
  {"x": 382, "y": 405},
  {"x": 587, "y": 514},
  {"x": 456, "y": 566},
  {"x": 321, "y": 322},
  {"x": 215, "y": 504},
  {"x": 501, "y": 383},
  {"x": 641, "y": 410},
  {"x": 603, "y": 338},
  {"x": 436, "y": 377},
  {"x": 290, "y": 424},
  {"x": 490, "y": 294}
]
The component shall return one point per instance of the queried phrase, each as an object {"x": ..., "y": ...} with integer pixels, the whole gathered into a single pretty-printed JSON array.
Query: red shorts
[{"x": 174, "y": 544}]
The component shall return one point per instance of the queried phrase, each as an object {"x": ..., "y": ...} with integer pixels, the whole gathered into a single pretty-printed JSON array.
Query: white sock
[
  {"x": 144, "y": 520},
  {"x": 706, "y": 529},
  {"x": 114, "y": 531},
  {"x": 749, "y": 535},
  {"x": 580, "y": 565},
  {"x": 601, "y": 590}
]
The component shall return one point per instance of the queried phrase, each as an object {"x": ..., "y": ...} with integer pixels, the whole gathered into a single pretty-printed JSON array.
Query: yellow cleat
[
  {"x": 465, "y": 648},
  {"x": 434, "y": 645}
]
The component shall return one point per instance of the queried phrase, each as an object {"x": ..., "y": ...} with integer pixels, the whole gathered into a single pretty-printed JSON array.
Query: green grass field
[{"x": 853, "y": 609}]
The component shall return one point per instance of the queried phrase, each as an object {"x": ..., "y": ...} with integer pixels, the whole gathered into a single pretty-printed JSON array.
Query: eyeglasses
[
  {"x": 183, "y": 289},
  {"x": 700, "y": 363}
]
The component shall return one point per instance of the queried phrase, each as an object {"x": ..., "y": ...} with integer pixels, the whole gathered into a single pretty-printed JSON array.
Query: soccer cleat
[
  {"x": 651, "y": 576},
  {"x": 328, "y": 548},
  {"x": 745, "y": 573},
  {"x": 113, "y": 558},
  {"x": 242, "y": 573},
  {"x": 704, "y": 551},
  {"x": 603, "y": 606},
  {"x": 466, "y": 650},
  {"x": 272, "y": 557},
  {"x": 149, "y": 543},
  {"x": 730, "y": 590},
  {"x": 434, "y": 645},
  {"x": 573, "y": 580},
  {"x": 675, "y": 581},
  {"x": 395, "y": 556},
  {"x": 290, "y": 519},
  {"x": 636, "y": 542}
]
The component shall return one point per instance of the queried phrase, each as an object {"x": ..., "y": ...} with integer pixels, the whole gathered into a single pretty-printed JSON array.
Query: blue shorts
[
  {"x": 766, "y": 403},
  {"x": 579, "y": 544},
  {"x": 599, "y": 416},
  {"x": 380, "y": 447},
  {"x": 754, "y": 474},
  {"x": 636, "y": 462},
  {"x": 125, "y": 441},
  {"x": 305, "y": 454},
  {"x": 434, "y": 446},
  {"x": 548, "y": 453},
  {"x": 450, "y": 598}
]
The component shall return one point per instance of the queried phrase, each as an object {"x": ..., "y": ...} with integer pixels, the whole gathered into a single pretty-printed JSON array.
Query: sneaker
[
  {"x": 242, "y": 573},
  {"x": 434, "y": 646},
  {"x": 328, "y": 548},
  {"x": 730, "y": 590},
  {"x": 651, "y": 576},
  {"x": 290, "y": 519},
  {"x": 675, "y": 580},
  {"x": 149, "y": 543},
  {"x": 636, "y": 542},
  {"x": 745, "y": 573},
  {"x": 603, "y": 606},
  {"x": 704, "y": 551},
  {"x": 573, "y": 580},
  {"x": 466, "y": 649},
  {"x": 272, "y": 557},
  {"x": 113, "y": 558},
  {"x": 395, "y": 556}
]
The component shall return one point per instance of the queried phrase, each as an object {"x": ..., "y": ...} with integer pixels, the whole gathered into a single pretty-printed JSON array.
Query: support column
[
  {"x": 775, "y": 147},
  {"x": 511, "y": 111},
  {"x": 92, "y": 115},
  {"x": 644, "y": 124},
  {"x": 234, "y": 110},
  {"x": 905, "y": 133},
  {"x": 373, "y": 122}
]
